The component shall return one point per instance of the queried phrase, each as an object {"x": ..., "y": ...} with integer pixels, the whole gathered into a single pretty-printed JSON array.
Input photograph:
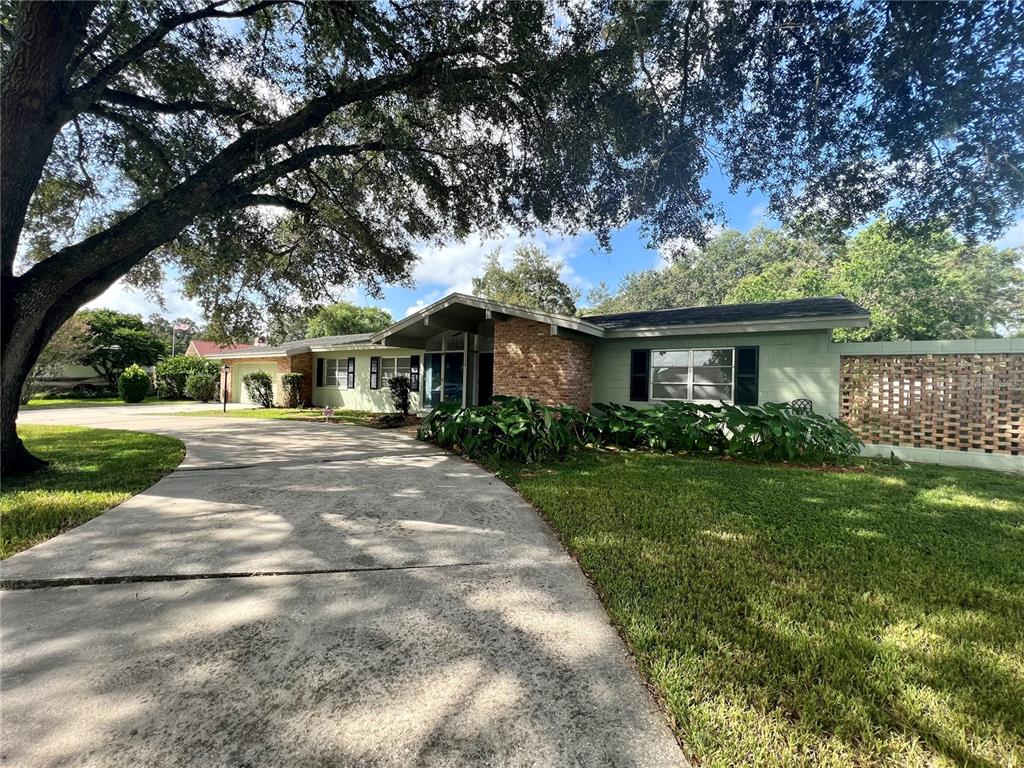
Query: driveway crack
[{"x": 83, "y": 581}]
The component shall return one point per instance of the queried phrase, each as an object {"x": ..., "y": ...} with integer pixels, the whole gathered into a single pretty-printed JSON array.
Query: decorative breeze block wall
[
  {"x": 954, "y": 402},
  {"x": 529, "y": 361}
]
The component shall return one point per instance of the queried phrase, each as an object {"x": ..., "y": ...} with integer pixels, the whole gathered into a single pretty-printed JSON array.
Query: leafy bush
[
  {"x": 291, "y": 385},
  {"x": 172, "y": 374},
  {"x": 770, "y": 432},
  {"x": 133, "y": 384},
  {"x": 525, "y": 430},
  {"x": 201, "y": 387},
  {"x": 515, "y": 428},
  {"x": 260, "y": 387},
  {"x": 400, "y": 387}
]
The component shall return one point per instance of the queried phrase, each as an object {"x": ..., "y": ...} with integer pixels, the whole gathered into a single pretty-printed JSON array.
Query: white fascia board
[
  {"x": 573, "y": 323},
  {"x": 347, "y": 347},
  {"x": 761, "y": 326},
  {"x": 247, "y": 353}
]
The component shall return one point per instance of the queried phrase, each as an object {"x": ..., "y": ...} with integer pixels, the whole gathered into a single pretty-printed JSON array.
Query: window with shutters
[{"x": 697, "y": 375}]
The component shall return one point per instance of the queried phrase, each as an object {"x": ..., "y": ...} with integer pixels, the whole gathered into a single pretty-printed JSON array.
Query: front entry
[
  {"x": 444, "y": 375},
  {"x": 485, "y": 377}
]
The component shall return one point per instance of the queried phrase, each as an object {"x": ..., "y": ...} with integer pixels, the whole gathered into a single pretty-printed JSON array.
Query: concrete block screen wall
[{"x": 530, "y": 361}]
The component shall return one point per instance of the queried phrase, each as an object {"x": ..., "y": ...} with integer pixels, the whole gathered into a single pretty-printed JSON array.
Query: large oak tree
[{"x": 275, "y": 149}]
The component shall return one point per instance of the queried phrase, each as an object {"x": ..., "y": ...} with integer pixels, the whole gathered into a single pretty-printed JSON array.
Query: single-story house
[{"x": 465, "y": 349}]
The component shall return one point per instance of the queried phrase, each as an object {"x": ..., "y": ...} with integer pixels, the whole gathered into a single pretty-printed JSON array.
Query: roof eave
[{"x": 744, "y": 326}]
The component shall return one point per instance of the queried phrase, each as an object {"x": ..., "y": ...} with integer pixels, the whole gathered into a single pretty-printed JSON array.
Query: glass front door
[{"x": 443, "y": 373}]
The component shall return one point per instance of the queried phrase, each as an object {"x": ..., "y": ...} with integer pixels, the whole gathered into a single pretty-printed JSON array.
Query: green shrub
[
  {"x": 516, "y": 428},
  {"x": 291, "y": 385},
  {"x": 172, "y": 374},
  {"x": 133, "y": 384},
  {"x": 525, "y": 430},
  {"x": 260, "y": 387},
  {"x": 201, "y": 387},
  {"x": 400, "y": 387},
  {"x": 769, "y": 432}
]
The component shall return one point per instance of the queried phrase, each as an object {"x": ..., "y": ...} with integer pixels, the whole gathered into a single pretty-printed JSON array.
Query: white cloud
[
  {"x": 450, "y": 268},
  {"x": 682, "y": 246},
  {"x": 126, "y": 299}
]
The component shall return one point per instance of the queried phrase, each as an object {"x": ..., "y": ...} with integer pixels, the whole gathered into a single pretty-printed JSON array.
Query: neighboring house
[
  {"x": 198, "y": 348},
  {"x": 465, "y": 349}
]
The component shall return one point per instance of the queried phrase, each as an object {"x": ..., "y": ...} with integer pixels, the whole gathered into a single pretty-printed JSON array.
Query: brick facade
[
  {"x": 529, "y": 361},
  {"x": 953, "y": 402}
]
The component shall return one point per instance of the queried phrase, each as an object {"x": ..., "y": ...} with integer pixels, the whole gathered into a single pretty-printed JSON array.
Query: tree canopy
[
  {"x": 532, "y": 280},
  {"x": 345, "y": 317},
  {"x": 273, "y": 149},
  {"x": 117, "y": 340},
  {"x": 917, "y": 285}
]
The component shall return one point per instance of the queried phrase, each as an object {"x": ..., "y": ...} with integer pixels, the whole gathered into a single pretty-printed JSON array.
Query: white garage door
[{"x": 238, "y": 372}]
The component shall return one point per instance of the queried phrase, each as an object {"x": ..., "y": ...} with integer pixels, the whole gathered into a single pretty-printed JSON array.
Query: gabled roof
[
  {"x": 819, "y": 308},
  {"x": 212, "y": 348}
]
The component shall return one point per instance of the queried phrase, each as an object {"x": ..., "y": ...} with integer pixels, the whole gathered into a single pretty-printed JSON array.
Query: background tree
[
  {"x": 532, "y": 281},
  {"x": 118, "y": 340},
  {"x": 288, "y": 324},
  {"x": 703, "y": 276},
  {"x": 67, "y": 347},
  {"x": 345, "y": 317},
  {"x": 271, "y": 148},
  {"x": 917, "y": 284},
  {"x": 162, "y": 328}
]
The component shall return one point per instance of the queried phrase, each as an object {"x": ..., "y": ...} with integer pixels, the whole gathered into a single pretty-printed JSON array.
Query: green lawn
[
  {"x": 796, "y": 617},
  {"x": 83, "y": 402},
  {"x": 361, "y": 418},
  {"x": 91, "y": 470}
]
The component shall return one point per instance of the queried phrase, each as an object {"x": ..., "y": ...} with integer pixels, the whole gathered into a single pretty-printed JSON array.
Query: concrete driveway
[{"x": 312, "y": 595}]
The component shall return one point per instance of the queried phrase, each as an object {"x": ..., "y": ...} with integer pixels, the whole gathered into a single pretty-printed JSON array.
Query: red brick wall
[{"x": 529, "y": 361}]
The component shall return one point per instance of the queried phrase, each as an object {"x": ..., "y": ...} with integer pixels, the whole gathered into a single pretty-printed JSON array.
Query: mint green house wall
[
  {"x": 362, "y": 398},
  {"x": 792, "y": 364}
]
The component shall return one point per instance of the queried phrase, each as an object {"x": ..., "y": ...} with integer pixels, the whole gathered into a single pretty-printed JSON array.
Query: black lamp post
[{"x": 224, "y": 398}]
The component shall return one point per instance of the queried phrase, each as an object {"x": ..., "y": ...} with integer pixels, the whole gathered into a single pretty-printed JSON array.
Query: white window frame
[
  {"x": 386, "y": 371},
  {"x": 689, "y": 375},
  {"x": 340, "y": 366}
]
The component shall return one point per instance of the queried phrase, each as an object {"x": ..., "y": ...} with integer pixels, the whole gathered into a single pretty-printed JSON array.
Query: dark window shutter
[
  {"x": 374, "y": 373},
  {"x": 746, "y": 376},
  {"x": 639, "y": 373},
  {"x": 350, "y": 374},
  {"x": 319, "y": 371},
  {"x": 414, "y": 373}
]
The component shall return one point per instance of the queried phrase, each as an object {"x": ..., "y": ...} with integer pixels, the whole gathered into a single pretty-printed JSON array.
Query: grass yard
[
  {"x": 84, "y": 402},
  {"x": 797, "y": 617},
  {"x": 360, "y": 418},
  {"x": 91, "y": 470}
]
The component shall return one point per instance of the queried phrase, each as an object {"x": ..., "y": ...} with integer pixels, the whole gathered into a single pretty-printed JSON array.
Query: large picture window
[
  {"x": 391, "y": 367},
  {"x": 701, "y": 375}
]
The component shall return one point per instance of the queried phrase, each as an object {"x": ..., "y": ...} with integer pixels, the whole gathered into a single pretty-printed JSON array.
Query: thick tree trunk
[{"x": 45, "y": 37}]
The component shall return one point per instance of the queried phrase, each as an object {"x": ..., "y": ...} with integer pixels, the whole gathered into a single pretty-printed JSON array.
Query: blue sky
[{"x": 452, "y": 267}]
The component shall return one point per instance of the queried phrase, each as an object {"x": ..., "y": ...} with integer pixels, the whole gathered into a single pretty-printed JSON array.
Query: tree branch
[{"x": 136, "y": 101}]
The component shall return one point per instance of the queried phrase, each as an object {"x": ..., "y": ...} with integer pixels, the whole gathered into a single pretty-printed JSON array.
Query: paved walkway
[{"x": 312, "y": 595}]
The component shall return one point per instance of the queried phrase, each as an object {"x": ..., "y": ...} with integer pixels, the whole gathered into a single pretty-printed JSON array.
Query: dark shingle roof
[{"x": 823, "y": 307}]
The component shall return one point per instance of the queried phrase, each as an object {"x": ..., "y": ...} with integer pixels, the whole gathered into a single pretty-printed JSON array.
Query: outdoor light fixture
[{"x": 224, "y": 398}]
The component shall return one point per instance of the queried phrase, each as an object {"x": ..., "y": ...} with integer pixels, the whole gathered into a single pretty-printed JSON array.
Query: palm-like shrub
[
  {"x": 260, "y": 388},
  {"x": 133, "y": 384},
  {"x": 201, "y": 387}
]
